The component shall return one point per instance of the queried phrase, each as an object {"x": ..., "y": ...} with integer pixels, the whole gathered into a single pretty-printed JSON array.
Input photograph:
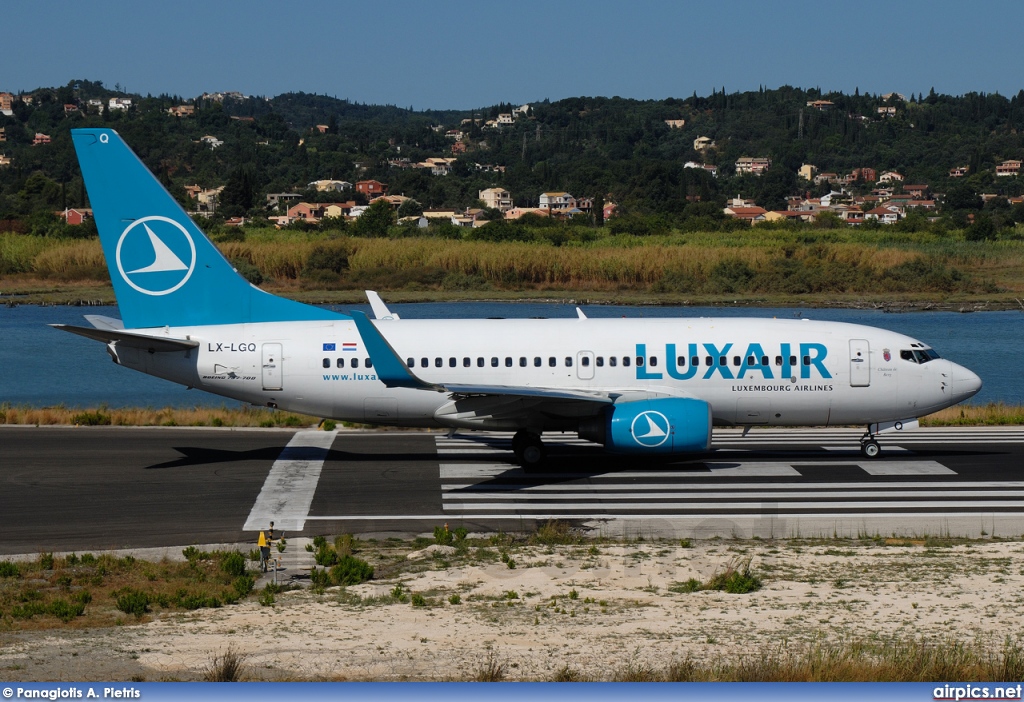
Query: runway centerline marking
[{"x": 291, "y": 483}]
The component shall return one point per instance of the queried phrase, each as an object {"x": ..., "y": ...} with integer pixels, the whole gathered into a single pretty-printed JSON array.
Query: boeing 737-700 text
[{"x": 637, "y": 386}]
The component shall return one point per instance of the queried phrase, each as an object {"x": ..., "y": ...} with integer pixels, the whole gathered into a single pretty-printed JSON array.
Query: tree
[
  {"x": 375, "y": 220},
  {"x": 410, "y": 208},
  {"x": 961, "y": 197},
  {"x": 983, "y": 229},
  {"x": 239, "y": 194}
]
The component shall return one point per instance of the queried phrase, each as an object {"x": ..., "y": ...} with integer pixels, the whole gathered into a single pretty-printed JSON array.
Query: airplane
[{"x": 637, "y": 386}]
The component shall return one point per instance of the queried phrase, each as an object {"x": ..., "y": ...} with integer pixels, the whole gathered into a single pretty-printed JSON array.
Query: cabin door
[
  {"x": 860, "y": 363},
  {"x": 272, "y": 367},
  {"x": 585, "y": 365}
]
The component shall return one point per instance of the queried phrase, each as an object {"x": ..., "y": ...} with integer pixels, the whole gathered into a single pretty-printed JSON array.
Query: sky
[{"x": 430, "y": 54}]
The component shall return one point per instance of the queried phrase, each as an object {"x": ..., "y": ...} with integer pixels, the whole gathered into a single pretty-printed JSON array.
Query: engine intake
[{"x": 668, "y": 425}]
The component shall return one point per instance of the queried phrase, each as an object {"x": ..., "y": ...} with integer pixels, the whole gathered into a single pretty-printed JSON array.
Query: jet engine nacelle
[{"x": 668, "y": 425}]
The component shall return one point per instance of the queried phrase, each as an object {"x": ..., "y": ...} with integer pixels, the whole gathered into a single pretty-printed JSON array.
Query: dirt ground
[{"x": 593, "y": 608}]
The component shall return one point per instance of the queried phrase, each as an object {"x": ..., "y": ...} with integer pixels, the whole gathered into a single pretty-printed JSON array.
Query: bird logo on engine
[{"x": 650, "y": 429}]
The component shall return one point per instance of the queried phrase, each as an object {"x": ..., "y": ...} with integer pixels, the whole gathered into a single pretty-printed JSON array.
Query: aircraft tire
[
  {"x": 870, "y": 449},
  {"x": 530, "y": 453}
]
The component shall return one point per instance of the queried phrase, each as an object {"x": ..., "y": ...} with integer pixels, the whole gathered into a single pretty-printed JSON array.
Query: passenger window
[
  {"x": 778, "y": 360},
  {"x": 494, "y": 361},
  {"x": 568, "y": 361},
  {"x": 807, "y": 360},
  {"x": 537, "y": 361},
  {"x": 522, "y": 361},
  {"x": 639, "y": 361},
  {"x": 452, "y": 362},
  {"x": 341, "y": 362},
  {"x": 736, "y": 360},
  {"x": 467, "y": 362},
  {"x": 424, "y": 363},
  {"x": 708, "y": 361},
  {"x": 751, "y": 361},
  {"x": 695, "y": 361},
  {"x": 479, "y": 361},
  {"x": 681, "y": 361},
  {"x": 723, "y": 360},
  {"x": 612, "y": 361},
  {"x": 653, "y": 361},
  {"x": 355, "y": 362},
  {"x": 764, "y": 360},
  {"x": 438, "y": 362},
  {"x": 411, "y": 362},
  {"x": 327, "y": 363},
  {"x": 792, "y": 360},
  {"x": 508, "y": 361},
  {"x": 552, "y": 361},
  {"x": 625, "y": 361},
  {"x": 599, "y": 361},
  {"x": 585, "y": 361},
  {"x": 369, "y": 363}
]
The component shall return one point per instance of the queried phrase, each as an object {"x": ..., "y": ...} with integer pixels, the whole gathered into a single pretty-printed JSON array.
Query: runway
[{"x": 76, "y": 488}]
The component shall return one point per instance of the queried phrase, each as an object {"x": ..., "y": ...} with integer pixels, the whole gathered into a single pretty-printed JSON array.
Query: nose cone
[{"x": 966, "y": 383}]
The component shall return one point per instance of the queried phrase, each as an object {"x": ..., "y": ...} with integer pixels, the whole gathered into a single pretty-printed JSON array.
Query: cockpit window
[{"x": 918, "y": 355}]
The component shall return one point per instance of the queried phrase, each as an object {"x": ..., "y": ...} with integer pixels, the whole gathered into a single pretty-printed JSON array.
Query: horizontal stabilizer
[
  {"x": 101, "y": 322},
  {"x": 130, "y": 339}
]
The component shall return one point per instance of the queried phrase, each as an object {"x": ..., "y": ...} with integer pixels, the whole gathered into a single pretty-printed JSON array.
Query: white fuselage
[{"x": 751, "y": 371}]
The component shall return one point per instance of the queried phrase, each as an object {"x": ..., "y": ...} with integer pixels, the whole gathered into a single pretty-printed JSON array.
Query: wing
[{"x": 394, "y": 373}]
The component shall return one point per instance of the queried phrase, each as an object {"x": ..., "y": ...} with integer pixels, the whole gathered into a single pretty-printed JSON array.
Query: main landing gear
[
  {"x": 869, "y": 446},
  {"x": 529, "y": 449}
]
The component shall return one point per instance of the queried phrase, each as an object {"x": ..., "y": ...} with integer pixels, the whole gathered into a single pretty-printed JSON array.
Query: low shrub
[
  {"x": 233, "y": 564},
  {"x": 132, "y": 601},
  {"x": 351, "y": 571}
]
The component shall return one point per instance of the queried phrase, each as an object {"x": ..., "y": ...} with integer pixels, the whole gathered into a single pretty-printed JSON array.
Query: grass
[
  {"x": 95, "y": 591},
  {"x": 756, "y": 262},
  {"x": 228, "y": 666},
  {"x": 151, "y": 417},
  {"x": 991, "y": 414},
  {"x": 897, "y": 660}
]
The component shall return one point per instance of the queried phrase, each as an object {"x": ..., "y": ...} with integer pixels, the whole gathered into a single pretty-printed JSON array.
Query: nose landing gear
[{"x": 869, "y": 446}]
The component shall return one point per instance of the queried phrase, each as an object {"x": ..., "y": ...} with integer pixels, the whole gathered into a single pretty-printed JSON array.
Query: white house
[{"x": 557, "y": 202}]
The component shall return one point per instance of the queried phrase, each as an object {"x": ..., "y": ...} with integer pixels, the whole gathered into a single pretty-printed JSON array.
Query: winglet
[
  {"x": 391, "y": 369},
  {"x": 579, "y": 312},
  {"x": 380, "y": 310}
]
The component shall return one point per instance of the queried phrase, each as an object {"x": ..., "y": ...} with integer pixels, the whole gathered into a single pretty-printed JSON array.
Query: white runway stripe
[
  {"x": 831, "y": 489},
  {"x": 905, "y": 468},
  {"x": 585, "y": 509},
  {"x": 288, "y": 490},
  {"x": 495, "y": 487},
  {"x": 690, "y": 496}
]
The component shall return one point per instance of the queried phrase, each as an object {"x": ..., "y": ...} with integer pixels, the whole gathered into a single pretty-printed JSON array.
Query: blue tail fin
[{"x": 164, "y": 270}]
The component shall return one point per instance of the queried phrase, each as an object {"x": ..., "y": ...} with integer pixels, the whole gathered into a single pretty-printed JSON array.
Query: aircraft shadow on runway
[{"x": 198, "y": 456}]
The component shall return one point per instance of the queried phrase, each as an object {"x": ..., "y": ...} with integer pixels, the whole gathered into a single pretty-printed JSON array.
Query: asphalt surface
[{"x": 95, "y": 488}]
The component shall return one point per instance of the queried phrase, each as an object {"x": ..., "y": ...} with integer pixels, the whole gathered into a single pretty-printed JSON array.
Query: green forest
[{"x": 604, "y": 148}]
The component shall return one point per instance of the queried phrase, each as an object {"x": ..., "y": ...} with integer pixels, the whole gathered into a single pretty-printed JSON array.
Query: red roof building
[{"x": 371, "y": 188}]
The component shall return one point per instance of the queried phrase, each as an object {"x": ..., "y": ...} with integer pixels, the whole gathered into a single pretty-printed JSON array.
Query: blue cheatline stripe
[{"x": 164, "y": 270}]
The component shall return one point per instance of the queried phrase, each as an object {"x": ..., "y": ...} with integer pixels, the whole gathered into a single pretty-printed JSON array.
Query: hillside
[{"x": 608, "y": 148}]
